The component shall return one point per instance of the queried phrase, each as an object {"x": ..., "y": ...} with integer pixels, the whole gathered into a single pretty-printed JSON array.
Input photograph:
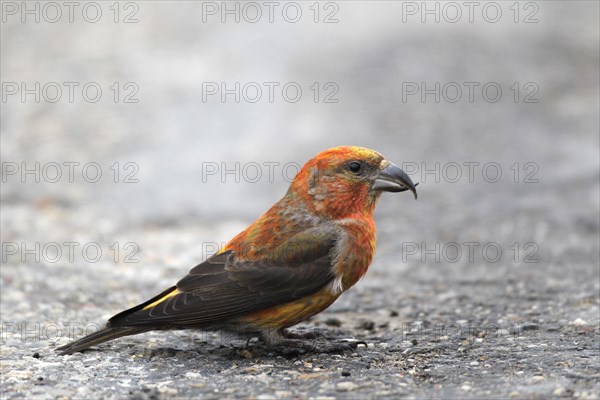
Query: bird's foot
[
  {"x": 275, "y": 337},
  {"x": 294, "y": 347},
  {"x": 272, "y": 337},
  {"x": 302, "y": 334},
  {"x": 306, "y": 342}
]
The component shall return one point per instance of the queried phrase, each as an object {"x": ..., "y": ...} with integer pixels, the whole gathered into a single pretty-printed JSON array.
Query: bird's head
[{"x": 347, "y": 180}]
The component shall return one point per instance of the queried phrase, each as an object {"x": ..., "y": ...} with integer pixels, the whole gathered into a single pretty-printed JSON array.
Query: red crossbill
[{"x": 290, "y": 264}]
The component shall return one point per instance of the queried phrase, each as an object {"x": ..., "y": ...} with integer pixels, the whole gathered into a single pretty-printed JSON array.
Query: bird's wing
[{"x": 226, "y": 286}]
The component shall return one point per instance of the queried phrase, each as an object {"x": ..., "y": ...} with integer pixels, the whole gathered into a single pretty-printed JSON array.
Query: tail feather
[{"x": 104, "y": 335}]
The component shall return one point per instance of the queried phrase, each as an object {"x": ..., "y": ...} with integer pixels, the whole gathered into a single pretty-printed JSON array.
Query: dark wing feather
[{"x": 224, "y": 286}]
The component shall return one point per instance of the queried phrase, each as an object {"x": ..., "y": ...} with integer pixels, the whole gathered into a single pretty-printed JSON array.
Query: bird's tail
[{"x": 104, "y": 335}]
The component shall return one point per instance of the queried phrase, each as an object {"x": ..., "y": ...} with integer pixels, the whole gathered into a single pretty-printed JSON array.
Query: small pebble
[
  {"x": 345, "y": 386},
  {"x": 333, "y": 322},
  {"x": 578, "y": 322},
  {"x": 530, "y": 327},
  {"x": 367, "y": 325}
]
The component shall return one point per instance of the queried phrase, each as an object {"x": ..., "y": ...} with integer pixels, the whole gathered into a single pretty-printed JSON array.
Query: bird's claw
[
  {"x": 296, "y": 346},
  {"x": 305, "y": 334}
]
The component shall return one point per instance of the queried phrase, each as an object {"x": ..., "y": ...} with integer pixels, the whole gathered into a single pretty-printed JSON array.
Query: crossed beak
[{"x": 392, "y": 179}]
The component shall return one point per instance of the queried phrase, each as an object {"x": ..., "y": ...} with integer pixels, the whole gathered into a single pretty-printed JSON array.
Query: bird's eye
[{"x": 354, "y": 167}]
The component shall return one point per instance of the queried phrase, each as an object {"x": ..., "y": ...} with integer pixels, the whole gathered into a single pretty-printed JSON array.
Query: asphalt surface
[{"x": 486, "y": 287}]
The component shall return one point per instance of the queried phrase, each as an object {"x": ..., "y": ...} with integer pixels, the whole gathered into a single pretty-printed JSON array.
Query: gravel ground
[{"x": 483, "y": 288}]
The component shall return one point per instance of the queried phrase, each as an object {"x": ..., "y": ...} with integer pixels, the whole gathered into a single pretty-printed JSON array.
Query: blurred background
[{"x": 494, "y": 109}]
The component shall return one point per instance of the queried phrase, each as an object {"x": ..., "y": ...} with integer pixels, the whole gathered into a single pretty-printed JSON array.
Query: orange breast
[{"x": 355, "y": 257}]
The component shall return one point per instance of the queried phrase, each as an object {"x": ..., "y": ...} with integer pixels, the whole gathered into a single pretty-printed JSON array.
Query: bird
[{"x": 292, "y": 263}]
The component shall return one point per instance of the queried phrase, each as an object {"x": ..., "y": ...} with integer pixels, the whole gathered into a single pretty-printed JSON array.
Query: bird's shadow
[{"x": 299, "y": 342}]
